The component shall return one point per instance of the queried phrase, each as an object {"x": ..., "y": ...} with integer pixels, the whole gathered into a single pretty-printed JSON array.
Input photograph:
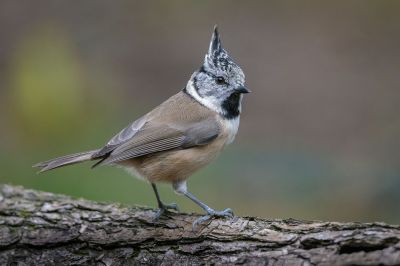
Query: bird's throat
[{"x": 231, "y": 106}]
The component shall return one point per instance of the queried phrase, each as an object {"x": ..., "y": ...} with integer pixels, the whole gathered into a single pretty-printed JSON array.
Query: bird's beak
[{"x": 242, "y": 89}]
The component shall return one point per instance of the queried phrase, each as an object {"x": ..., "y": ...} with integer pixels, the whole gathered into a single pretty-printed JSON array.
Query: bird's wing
[
  {"x": 154, "y": 137},
  {"x": 123, "y": 136}
]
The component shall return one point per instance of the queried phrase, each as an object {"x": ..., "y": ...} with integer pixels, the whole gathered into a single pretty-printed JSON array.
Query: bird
[{"x": 181, "y": 135}]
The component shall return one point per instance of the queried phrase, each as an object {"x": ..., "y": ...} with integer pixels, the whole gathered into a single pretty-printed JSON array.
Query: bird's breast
[{"x": 230, "y": 128}]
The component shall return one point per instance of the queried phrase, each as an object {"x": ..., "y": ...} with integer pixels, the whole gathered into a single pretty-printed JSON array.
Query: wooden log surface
[{"x": 39, "y": 228}]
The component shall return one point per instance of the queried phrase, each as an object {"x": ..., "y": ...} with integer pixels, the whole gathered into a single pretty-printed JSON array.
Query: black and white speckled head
[{"x": 219, "y": 83}]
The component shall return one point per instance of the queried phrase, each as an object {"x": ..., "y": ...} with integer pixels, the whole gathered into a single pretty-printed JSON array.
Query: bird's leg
[
  {"x": 162, "y": 208},
  {"x": 210, "y": 212},
  {"x": 182, "y": 189}
]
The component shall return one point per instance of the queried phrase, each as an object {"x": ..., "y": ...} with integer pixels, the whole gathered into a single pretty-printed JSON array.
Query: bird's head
[{"x": 219, "y": 83}]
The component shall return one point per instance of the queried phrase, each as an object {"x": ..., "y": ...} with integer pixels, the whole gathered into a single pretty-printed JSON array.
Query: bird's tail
[{"x": 65, "y": 160}]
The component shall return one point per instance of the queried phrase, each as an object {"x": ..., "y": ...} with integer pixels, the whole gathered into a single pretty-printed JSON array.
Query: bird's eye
[{"x": 220, "y": 80}]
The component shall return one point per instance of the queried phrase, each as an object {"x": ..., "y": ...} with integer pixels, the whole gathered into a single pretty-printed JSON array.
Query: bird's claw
[
  {"x": 164, "y": 208},
  {"x": 227, "y": 213}
]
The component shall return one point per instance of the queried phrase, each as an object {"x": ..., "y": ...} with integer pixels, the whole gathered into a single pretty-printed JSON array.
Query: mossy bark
[{"x": 39, "y": 228}]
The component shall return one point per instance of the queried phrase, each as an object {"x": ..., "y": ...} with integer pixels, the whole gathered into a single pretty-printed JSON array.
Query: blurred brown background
[{"x": 319, "y": 135}]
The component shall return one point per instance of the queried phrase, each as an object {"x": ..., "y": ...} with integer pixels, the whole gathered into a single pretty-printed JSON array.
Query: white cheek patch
[{"x": 210, "y": 102}]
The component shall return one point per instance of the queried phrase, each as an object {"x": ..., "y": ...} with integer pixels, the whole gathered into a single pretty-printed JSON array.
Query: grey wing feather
[
  {"x": 148, "y": 134},
  {"x": 123, "y": 136},
  {"x": 159, "y": 138},
  {"x": 128, "y": 132},
  {"x": 201, "y": 133},
  {"x": 152, "y": 147}
]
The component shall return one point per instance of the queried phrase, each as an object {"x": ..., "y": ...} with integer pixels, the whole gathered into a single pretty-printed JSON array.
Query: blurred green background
[{"x": 319, "y": 135}]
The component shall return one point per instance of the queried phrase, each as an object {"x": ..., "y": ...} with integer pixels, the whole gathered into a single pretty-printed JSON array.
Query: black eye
[{"x": 220, "y": 80}]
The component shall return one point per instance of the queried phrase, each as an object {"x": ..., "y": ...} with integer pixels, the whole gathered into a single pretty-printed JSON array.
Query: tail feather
[{"x": 65, "y": 160}]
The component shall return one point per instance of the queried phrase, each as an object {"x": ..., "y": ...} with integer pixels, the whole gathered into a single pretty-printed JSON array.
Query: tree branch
[{"x": 39, "y": 228}]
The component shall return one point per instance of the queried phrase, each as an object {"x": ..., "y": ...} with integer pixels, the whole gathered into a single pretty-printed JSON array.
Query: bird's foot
[
  {"x": 227, "y": 213},
  {"x": 164, "y": 208}
]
